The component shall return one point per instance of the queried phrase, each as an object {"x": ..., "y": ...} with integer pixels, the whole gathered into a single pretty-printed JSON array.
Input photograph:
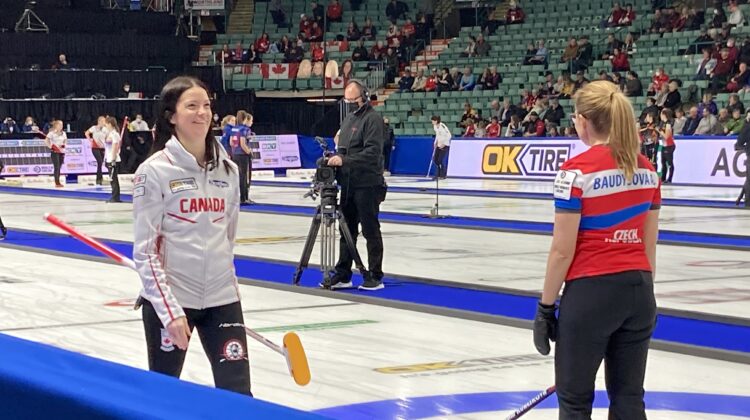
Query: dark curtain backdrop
[
  {"x": 295, "y": 116},
  {"x": 96, "y": 51},
  {"x": 83, "y": 83}
]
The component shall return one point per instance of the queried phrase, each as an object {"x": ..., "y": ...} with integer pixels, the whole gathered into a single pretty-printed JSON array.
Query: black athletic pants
[
  {"x": 225, "y": 347},
  {"x": 99, "y": 156},
  {"x": 243, "y": 162},
  {"x": 649, "y": 150},
  {"x": 387, "y": 149},
  {"x": 667, "y": 163},
  {"x": 361, "y": 205},
  {"x": 439, "y": 160},
  {"x": 57, "y": 161},
  {"x": 607, "y": 317},
  {"x": 114, "y": 171}
]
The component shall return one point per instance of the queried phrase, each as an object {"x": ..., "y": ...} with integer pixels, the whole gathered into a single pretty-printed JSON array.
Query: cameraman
[
  {"x": 743, "y": 142},
  {"x": 360, "y": 158}
]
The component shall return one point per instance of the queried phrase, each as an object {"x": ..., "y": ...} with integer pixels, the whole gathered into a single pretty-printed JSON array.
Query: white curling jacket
[
  {"x": 185, "y": 222},
  {"x": 442, "y": 135}
]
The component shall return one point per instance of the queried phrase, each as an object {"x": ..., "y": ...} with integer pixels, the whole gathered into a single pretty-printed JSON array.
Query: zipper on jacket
[{"x": 205, "y": 243}]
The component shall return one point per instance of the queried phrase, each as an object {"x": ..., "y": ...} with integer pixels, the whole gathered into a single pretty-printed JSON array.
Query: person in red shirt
[
  {"x": 628, "y": 17},
  {"x": 304, "y": 25},
  {"x": 335, "y": 11},
  {"x": 408, "y": 31},
  {"x": 614, "y": 16},
  {"x": 493, "y": 128},
  {"x": 535, "y": 126},
  {"x": 316, "y": 33},
  {"x": 514, "y": 14},
  {"x": 720, "y": 74},
  {"x": 317, "y": 53},
  {"x": 471, "y": 128},
  {"x": 607, "y": 202},
  {"x": 431, "y": 84},
  {"x": 660, "y": 78},
  {"x": 262, "y": 44},
  {"x": 225, "y": 55},
  {"x": 620, "y": 61}
]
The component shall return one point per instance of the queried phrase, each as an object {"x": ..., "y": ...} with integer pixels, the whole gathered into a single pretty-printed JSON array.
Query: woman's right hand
[{"x": 179, "y": 331}]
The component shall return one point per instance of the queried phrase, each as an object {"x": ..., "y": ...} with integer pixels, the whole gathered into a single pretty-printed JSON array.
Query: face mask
[{"x": 351, "y": 106}]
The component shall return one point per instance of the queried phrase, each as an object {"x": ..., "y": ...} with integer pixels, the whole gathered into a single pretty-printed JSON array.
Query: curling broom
[
  {"x": 292, "y": 349},
  {"x": 532, "y": 403}
]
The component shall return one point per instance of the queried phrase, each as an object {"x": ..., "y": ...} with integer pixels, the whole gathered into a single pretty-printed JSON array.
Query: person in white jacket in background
[
  {"x": 442, "y": 145},
  {"x": 186, "y": 208}
]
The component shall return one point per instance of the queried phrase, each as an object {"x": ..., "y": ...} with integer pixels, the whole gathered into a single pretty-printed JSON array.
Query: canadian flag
[
  {"x": 280, "y": 71},
  {"x": 335, "y": 83}
]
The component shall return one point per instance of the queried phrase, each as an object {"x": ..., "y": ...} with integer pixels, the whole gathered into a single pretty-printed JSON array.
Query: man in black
[
  {"x": 388, "y": 146},
  {"x": 743, "y": 142},
  {"x": 360, "y": 174}
]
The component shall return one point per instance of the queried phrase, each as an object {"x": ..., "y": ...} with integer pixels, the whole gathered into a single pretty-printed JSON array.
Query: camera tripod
[{"x": 324, "y": 221}]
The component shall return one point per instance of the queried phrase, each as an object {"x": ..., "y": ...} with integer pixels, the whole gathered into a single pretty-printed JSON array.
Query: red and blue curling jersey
[{"x": 613, "y": 211}]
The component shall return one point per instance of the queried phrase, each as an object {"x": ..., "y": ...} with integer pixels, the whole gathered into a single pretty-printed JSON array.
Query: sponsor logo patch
[
  {"x": 184, "y": 184},
  {"x": 233, "y": 351},
  {"x": 167, "y": 344},
  {"x": 219, "y": 183},
  {"x": 139, "y": 179},
  {"x": 139, "y": 191}
]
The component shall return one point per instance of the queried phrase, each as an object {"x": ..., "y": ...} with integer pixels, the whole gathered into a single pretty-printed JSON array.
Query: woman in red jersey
[{"x": 604, "y": 250}]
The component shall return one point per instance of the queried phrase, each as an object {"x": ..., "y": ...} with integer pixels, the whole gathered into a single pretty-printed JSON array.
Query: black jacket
[
  {"x": 743, "y": 140},
  {"x": 361, "y": 141},
  {"x": 690, "y": 125},
  {"x": 555, "y": 115},
  {"x": 674, "y": 99}
]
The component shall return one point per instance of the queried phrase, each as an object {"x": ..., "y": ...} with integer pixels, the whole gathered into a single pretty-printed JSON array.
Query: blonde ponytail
[
  {"x": 623, "y": 138},
  {"x": 610, "y": 113}
]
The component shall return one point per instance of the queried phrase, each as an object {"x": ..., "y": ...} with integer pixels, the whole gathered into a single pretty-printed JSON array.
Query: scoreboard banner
[
  {"x": 32, "y": 157},
  {"x": 270, "y": 152},
  {"x": 697, "y": 160}
]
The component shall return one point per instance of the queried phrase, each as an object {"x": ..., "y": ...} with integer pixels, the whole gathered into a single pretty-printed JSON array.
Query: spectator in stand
[
  {"x": 262, "y": 44},
  {"x": 679, "y": 121},
  {"x": 395, "y": 10},
  {"x": 422, "y": 28},
  {"x": 223, "y": 56},
  {"x": 736, "y": 18},
  {"x": 406, "y": 82},
  {"x": 508, "y": 111},
  {"x": 614, "y": 17},
  {"x": 571, "y": 51},
  {"x": 720, "y": 17},
  {"x": 391, "y": 65},
  {"x": 569, "y": 87},
  {"x": 666, "y": 20},
  {"x": 482, "y": 48},
  {"x": 295, "y": 54},
  {"x": 541, "y": 106},
  {"x": 468, "y": 80},
  {"x": 61, "y": 63},
  {"x": 628, "y": 17},
  {"x": 739, "y": 80},
  {"x": 530, "y": 52},
  {"x": 283, "y": 45},
  {"x": 514, "y": 14},
  {"x": 548, "y": 87},
  {"x": 581, "y": 81},
  {"x": 408, "y": 32},
  {"x": 603, "y": 75},
  {"x": 629, "y": 45},
  {"x": 706, "y": 66},
  {"x": 305, "y": 24},
  {"x": 481, "y": 129},
  {"x": 692, "y": 121},
  {"x": 392, "y": 35},
  {"x": 316, "y": 33},
  {"x": 552, "y": 130},
  {"x": 528, "y": 99},
  {"x": 335, "y": 11},
  {"x": 734, "y": 52},
  {"x": 542, "y": 54},
  {"x": 469, "y": 113},
  {"x": 585, "y": 56},
  {"x": 619, "y": 81},
  {"x": 252, "y": 55},
  {"x": 673, "y": 99},
  {"x": 514, "y": 127},
  {"x": 619, "y": 61},
  {"x": 239, "y": 55},
  {"x": 720, "y": 74},
  {"x": 317, "y": 54},
  {"x": 492, "y": 80},
  {"x": 656, "y": 22},
  {"x": 701, "y": 43},
  {"x": 456, "y": 75},
  {"x": 368, "y": 30},
  {"x": 360, "y": 53},
  {"x": 695, "y": 19},
  {"x": 29, "y": 125},
  {"x": 493, "y": 128},
  {"x": 8, "y": 126},
  {"x": 734, "y": 103},
  {"x": 420, "y": 81},
  {"x": 471, "y": 48},
  {"x": 735, "y": 125},
  {"x": 471, "y": 128},
  {"x": 745, "y": 51},
  {"x": 709, "y": 124},
  {"x": 352, "y": 32},
  {"x": 659, "y": 79},
  {"x": 317, "y": 12},
  {"x": 495, "y": 110},
  {"x": 276, "y": 7},
  {"x": 138, "y": 124},
  {"x": 555, "y": 114},
  {"x": 723, "y": 117},
  {"x": 661, "y": 96},
  {"x": 431, "y": 83},
  {"x": 681, "y": 20},
  {"x": 612, "y": 44},
  {"x": 535, "y": 126}
]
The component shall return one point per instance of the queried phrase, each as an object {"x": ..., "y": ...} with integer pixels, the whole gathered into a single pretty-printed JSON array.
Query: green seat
[{"x": 270, "y": 84}]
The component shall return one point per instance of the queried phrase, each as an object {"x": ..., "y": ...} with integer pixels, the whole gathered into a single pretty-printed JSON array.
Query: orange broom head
[{"x": 296, "y": 359}]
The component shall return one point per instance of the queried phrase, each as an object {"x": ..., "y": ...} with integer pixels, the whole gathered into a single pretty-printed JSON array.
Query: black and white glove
[{"x": 545, "y": 327}]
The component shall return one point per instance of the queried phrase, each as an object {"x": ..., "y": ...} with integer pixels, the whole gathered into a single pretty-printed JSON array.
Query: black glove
[{"x": 545, "y": 327}]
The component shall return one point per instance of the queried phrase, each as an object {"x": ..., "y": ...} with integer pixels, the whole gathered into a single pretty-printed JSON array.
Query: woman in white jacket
[{"x": 185, "y": 207}]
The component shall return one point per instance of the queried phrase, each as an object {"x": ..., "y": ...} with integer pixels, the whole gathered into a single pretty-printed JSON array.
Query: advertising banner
[
  {"x": 271, "y": 152},
  {"x": 32, "y": 157},
  {"x": 204, "y": 4},
  {"x": 700, "y": 161}
]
